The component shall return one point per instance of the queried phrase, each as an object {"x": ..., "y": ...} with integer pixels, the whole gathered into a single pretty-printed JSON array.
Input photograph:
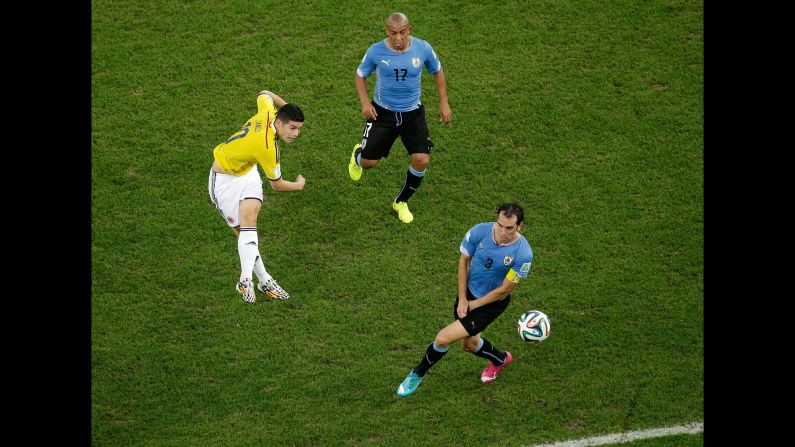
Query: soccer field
[{"x": 588, "y": 113}]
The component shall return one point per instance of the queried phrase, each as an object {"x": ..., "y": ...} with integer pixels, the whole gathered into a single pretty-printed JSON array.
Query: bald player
[{"x": 396, "y": 109}]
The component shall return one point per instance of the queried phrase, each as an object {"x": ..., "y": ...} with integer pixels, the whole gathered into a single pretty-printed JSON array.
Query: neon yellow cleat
[
  {"x": 354, "y": 170},
  {"x": 402, "y": 209}
]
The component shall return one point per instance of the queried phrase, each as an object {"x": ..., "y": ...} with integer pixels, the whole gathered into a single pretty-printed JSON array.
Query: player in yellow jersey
[{"x": 236, "y": 188}]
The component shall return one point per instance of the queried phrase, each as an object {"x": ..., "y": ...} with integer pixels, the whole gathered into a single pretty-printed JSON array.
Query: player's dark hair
[
  {"x": 510, "y": 210},
  {"x": 290, "y": 112}
]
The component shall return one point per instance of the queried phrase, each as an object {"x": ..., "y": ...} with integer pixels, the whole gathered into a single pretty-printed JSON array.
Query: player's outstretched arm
[
  {"x": 463, "y": 274},
  {"x": 283, "y": 185},
  {"x": 445, "y": 114},
  {"x": 368, "y": 111},
  {"x": 277, "y": 100}
]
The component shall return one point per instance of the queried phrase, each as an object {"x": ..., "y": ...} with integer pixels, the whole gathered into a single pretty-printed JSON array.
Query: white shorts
[{"x": 226, "y": 192}]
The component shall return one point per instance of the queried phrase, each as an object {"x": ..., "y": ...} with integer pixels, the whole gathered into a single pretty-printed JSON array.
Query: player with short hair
[
  {"x": 396, "y": 109},
  {"x": 236, "y": 188},
  {"x": 494, "y": 258}
]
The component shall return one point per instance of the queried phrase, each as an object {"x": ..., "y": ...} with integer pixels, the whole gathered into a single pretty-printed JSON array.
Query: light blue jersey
[
  {"x": 492, "y": 263},
  {"x": 397, "y": 76}
]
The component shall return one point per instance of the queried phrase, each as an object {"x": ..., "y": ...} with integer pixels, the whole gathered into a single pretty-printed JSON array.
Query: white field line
[{"x": 619, "y": 438}]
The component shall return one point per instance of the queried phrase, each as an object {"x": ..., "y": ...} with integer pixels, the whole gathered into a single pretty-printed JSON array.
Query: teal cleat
[{"x": 409, "y": 385}]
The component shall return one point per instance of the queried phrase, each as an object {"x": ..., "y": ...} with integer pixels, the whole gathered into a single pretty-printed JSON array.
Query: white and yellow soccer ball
[{"x": 533, "y": 326}]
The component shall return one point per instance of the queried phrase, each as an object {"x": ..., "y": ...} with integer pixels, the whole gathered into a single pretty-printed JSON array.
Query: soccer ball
[{"x": 533, "y": 326}]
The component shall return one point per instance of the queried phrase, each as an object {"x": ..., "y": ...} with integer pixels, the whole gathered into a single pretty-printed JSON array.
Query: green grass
[{"x": 589, "y": 113}]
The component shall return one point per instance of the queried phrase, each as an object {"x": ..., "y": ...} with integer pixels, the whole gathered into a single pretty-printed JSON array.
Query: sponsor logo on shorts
[{"x": 230, "y": 219}]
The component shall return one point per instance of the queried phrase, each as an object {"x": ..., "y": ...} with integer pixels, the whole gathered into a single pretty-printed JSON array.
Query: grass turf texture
[{"x": 589, "y": 113}]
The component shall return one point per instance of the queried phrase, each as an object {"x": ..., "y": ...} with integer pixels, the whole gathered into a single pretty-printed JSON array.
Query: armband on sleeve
[{"x": 513, "y": 277}]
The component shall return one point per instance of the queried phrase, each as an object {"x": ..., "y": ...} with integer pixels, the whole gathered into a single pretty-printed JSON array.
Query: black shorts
[
  {"x": 479, "y": 319},
  {"x": 379, "y": 135}
]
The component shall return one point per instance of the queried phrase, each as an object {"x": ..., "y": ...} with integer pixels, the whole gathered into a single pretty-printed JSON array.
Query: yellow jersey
[{"x": 254, "y": 143}]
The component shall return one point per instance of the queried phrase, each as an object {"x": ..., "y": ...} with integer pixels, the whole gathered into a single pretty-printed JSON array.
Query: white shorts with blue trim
[{"x": 226, "y": 192}]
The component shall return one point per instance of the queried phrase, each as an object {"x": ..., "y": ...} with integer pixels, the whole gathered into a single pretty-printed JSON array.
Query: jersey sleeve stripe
[
  {"x": 267, "y": 129},
  {"x": 267, "y": 146}
]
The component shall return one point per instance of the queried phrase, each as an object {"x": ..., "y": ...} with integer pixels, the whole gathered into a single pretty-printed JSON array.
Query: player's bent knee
[
  {"x": 468, "y": 345},
  {"x": 442, "y": 340},
  {"x": 367, "y": 164},
  {"x": 249, "y": 210},
  {"x": 420, "y": 161}
]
